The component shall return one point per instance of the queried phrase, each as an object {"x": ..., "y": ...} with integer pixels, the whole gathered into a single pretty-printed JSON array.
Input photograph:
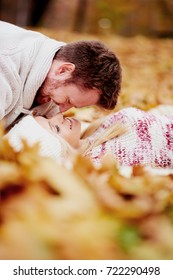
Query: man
[{"x": 38, "y": 73}]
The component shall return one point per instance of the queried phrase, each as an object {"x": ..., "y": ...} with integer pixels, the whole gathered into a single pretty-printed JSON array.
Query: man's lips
[{"x": 43, "y": 99}]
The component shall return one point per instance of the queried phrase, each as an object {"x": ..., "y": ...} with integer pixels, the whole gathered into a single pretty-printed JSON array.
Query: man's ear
[{"x": 65, "y": 68}]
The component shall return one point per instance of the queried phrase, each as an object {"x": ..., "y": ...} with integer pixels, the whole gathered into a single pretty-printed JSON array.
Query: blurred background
[{"x": 123, "y": 17}]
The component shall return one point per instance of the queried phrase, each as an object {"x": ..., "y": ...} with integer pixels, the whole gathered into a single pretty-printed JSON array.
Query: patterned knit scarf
[{"x": 147, "y": 142}]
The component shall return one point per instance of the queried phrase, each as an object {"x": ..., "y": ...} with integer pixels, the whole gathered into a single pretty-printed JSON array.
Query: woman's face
[{"x": 67, "y": 128}]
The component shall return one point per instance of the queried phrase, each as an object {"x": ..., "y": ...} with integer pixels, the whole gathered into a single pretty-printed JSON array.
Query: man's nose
[{"x": 64, "y": 107}]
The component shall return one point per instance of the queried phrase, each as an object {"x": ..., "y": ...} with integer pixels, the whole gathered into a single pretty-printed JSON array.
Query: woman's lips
[{"x": 70, "y": 122}]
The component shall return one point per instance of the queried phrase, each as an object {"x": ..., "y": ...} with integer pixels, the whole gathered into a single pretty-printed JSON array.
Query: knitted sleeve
[
  {"x": 6, "y": 95},
  {"x": 148, "y": 141},
  {"x": 3, "y": 102},
  {"x": 9, "y": 86}
]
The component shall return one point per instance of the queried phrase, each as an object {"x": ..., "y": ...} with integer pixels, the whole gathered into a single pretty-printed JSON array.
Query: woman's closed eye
[
  {"x": 57, "y": 128},
  {"x": 54, "y": 128}
]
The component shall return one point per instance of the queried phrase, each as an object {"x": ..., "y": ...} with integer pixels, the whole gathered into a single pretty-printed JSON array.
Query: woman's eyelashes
[
  {"x": 57, "y": 128},
  {"x": 54, "y": 128}
]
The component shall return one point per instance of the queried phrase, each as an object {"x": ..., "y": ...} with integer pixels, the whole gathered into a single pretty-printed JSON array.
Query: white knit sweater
[
  {"x": 25, "y": 59},
  {"x": 148, "y": 141}
]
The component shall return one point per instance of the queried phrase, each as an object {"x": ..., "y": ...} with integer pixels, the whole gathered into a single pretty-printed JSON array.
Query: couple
[
  {"x": 131, "y": 136},
  {"x": 40, "y": 76}
]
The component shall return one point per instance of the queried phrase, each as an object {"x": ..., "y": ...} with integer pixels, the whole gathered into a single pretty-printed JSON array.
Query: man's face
[{"x": 66, "y": 95}]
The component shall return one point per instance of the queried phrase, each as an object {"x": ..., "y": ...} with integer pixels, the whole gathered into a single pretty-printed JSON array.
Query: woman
[{"x": 133, "y": 137}]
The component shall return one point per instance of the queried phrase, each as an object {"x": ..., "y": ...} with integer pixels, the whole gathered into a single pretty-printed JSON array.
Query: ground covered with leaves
[{"x": 50, "y": 212}]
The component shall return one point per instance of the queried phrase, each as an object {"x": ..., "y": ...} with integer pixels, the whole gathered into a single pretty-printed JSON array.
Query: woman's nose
[{"x": 58, "y": 117}]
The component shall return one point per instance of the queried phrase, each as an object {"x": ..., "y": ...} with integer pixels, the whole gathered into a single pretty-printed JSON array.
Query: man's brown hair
[{"x": 95, "y": 67}]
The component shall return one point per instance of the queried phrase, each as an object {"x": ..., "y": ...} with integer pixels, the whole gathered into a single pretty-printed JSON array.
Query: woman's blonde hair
[
  {"x": 67, "y": 151},
  {"x": 114, "y": 130}
]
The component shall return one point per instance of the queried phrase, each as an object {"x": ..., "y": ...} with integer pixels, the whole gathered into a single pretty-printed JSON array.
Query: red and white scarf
[{"x": 148, "y": 141}]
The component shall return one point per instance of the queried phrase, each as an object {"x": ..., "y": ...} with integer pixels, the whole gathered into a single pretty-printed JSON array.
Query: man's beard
[
  {"x": 45, "y": 91},
  {"x": 48, "y": 86}
]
